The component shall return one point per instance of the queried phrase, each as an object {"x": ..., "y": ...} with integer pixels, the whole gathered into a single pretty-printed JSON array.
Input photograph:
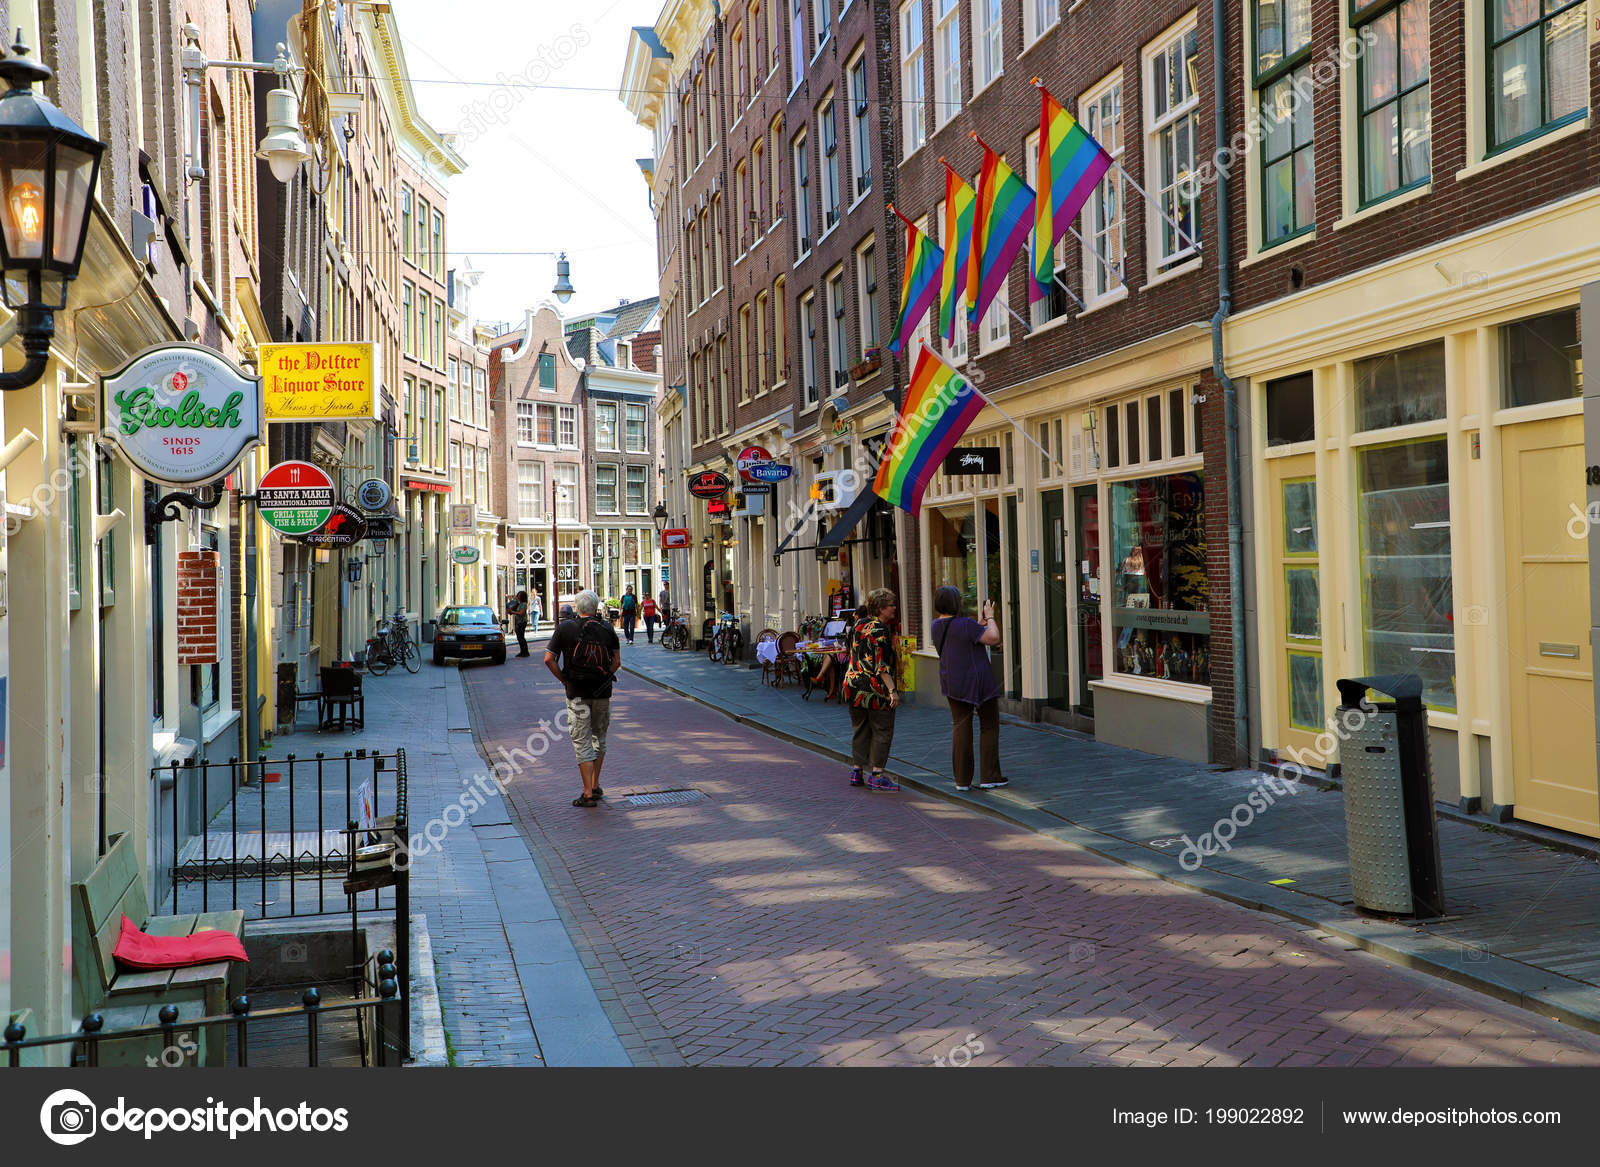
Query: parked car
[{"x": 469, "y": 632}]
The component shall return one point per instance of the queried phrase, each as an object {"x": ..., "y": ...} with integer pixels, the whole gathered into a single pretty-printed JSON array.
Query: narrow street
[{"x": 776, "y": 916}]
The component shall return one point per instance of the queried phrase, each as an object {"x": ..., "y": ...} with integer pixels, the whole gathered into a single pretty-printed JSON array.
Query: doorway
[
  {"x": 1297, "y": 589},
  {"x": 1058, "y": 681},
  {"x": 1086, "y": 586}
]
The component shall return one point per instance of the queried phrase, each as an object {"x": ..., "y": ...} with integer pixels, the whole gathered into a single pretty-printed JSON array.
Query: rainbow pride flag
[
  {"x": 1000, "y": 226},
  {"x": 920, "y": 284},
  {"x": 1071, "y": 163},
  {"x": 936, "y": 411},
  {"x": 959, "y": 204}
]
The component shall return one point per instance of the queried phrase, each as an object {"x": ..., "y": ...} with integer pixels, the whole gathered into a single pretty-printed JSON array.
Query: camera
[{"x": 72, "y": 1118}]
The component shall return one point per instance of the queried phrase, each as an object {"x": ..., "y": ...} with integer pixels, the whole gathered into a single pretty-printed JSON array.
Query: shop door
[
  {"x": 1012, "y": 620},
  {"x": 1086, "y": 579},
  {"x": 1057, "y": 680},
  {"x": 1547, "y": 624},
  {"x": 1296, "y": 631},
  {"x": 994, "y": 585}
]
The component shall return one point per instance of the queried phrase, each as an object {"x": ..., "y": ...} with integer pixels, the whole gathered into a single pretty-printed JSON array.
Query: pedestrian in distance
[
  {"x": 648, "y": 610},
  {"x": 517, "y": 609},
  {"x": 630, "y": 613},
  {"x": 535, "y": 614},
  {"x": 966, "y": 678},
  {"x": 584, "y": 655},
  {"x": 870, "y": 688}
]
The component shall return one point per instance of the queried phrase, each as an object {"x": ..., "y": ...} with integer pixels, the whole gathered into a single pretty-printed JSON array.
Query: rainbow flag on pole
[
  {"x": 1071, "y": 163},
  {"x": 920, "y": 285},
  {"x": 1000, "y": 227},
  {"x": 936, "y": 411},
  {"x": 959, "y": 204}
]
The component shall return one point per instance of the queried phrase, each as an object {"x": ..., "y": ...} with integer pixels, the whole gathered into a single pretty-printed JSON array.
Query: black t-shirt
[{"x": 585, "y": 649}]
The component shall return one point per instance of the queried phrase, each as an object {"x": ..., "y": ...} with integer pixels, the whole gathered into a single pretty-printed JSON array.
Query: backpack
[{"x": 587, "y": 667}]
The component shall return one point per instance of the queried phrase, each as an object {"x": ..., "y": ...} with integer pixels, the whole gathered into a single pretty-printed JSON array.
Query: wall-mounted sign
[
  {"x": 674, "y": 538},
  {"x": 295, "y": 498},
  {"x": 374, "y": 494},
  {"x": 464, "y": 555},
  {"x": 318, "y": 382},
  {"x": 181, "y": 414},
  {"x": 346, "y": 526},
  {"x": 768, "y": 472},
  {"x": 380, "y": 527},
  {"x": 463, "y": 518},
  {"x": 717, "y": 506},
  {"x": 431, "y": 487},
  {"x": 976, "y": 460},
  {"x": 750, "y": 457},
  {"x": 708, "y": 484}
]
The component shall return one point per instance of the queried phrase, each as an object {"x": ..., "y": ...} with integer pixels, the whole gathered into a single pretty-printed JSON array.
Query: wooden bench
[{"x": 127, "y": 998}]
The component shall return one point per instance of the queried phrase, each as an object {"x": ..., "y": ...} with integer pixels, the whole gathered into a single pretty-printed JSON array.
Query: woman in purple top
[{"x": 968, "y": 683}]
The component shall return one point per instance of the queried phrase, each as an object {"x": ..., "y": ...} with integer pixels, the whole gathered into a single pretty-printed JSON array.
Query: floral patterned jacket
[{"x": 871, "y": 665}]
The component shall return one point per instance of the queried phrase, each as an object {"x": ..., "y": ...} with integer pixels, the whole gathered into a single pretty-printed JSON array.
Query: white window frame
[
  {"x": 644, "y": 428},
  {"x": 567, "y": 422},
  {"x": 988, "y": 43},
  {"x": 566, "y": 480},
  {"x": 808, "y": 351},
  {"x": 600, "y": 508},
  {"x": 913, "y": 81},
  {"x": 838, "y": 331},
  {"x": 860, "y": 112},
  {"x": 797, "y": 43},
  {"x": 801, "y": 154},
  {"x": 1159, "y": 264},
  {"x": 868, "y": 290},
  {"x": 947, "y": 61},
  {"x": 821, "y": 25},
  {"x": 527, "y": 423},
  {"x": 555, "y": 429},
  {"x": 1093, "y": 267},
  {"x": 828, "y": 147},
  {"x": 628, "y": 474},
  {"x": 994, "y": 331},
  {"x": 1038, "y": 18},
  {"x": 530, "y": 478},
  {"x": 601, "y": 408}
]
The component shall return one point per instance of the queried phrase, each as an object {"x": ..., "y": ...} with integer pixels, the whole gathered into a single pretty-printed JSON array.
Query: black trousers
[
  {"x": 988, "y": 715},
  {"x": 872, "y": 733},
  {"x": 522, "y": 637}
]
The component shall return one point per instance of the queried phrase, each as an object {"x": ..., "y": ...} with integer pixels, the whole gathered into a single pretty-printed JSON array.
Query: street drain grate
[{"x": 666, "y": 798}]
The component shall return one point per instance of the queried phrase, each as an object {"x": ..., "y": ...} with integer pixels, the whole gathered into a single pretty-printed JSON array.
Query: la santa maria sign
[{"x": 181, "y": 414}]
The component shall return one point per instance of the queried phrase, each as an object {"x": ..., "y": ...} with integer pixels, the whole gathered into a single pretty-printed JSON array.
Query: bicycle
[
  {"x": 675, "y": 633},
  {"x": 392, "y": 646},
  {"x": 726, "y": 641}
]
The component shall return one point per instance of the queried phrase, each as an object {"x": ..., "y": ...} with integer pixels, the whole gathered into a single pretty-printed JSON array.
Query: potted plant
[
  {"x": 614, "y": 610},
  {"x": 871, "y": 361}
]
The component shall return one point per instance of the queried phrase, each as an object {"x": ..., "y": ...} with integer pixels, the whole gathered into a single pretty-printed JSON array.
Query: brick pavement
[{"x": 790, "y": 920}]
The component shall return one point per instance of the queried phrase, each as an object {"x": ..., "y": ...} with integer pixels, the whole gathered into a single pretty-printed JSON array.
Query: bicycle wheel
[
  {"x": 412, "y": 659},
  {"x": 378, "y": 663},
  {"x": 680, "y": 638},
  {"x": 714, "y": 646}
]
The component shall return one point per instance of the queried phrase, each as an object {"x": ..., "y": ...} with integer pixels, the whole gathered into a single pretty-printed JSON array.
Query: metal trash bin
[{"x": 1390, "y": 824}]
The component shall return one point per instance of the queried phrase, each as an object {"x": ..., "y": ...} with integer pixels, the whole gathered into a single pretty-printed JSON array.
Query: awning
[{"x": 839, "y": 532}]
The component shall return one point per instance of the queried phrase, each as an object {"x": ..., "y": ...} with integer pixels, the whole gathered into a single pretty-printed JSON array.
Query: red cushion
[{"x": 136, "y": 949}]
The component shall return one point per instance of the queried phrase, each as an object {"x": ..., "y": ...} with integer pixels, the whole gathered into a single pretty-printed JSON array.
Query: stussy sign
[{"x": 181, "y": 414}]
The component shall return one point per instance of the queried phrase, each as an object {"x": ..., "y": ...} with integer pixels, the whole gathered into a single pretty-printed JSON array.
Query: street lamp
[
  {"x": 660, "y": 517},
  {"x": 48, "y": 168},
  {"x": 563, "y": 288},
  {"x": 284, "y": 146}
]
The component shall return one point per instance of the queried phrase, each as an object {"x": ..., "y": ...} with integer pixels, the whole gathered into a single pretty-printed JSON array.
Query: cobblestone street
[{"x": 783, "y": 918}]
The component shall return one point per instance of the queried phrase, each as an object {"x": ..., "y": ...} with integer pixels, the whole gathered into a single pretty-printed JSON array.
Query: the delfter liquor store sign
[
  {"x": 181, "y": 414},
  {"x": 708, "y": 484},
  {"x": 319, "y": 382}
]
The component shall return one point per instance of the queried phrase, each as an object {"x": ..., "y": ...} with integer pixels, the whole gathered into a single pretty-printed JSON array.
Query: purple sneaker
[
  {"x": 882, "y": 782},
  {"x": 855, "y": 777}
]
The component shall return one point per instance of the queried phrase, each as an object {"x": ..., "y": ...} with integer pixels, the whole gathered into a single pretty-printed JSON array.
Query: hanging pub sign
[
  {"x": 674, "y": 538},
  {"x": 717, "y": 506},
  {"x": 319, "y": 382},
  {"x": 749, "y": 458},
  {"x": 181, "y": 414},
  {"x": 975, "y": 460},
  {"x": 345, "y": 527},
  {"x": 464, "y": 555},
  {"x": 379, "y": 528},
  {"x": 708, "y": 484},
  {"x": 295, "y": 498},
  {"x": 768, "y": 472},
  {"x": 374, "y": 494}
]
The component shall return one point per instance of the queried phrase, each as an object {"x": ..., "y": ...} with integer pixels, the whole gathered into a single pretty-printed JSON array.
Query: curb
[
  {"x": 427, "y": 1020},
  {"x": 1573, "y": 1002}
]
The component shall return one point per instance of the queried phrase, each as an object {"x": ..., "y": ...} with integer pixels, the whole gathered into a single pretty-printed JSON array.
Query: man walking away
[
  {"x": 630, "y": 613},
  {"x": 518, "y": 610},
  {"x": 648, "y": 608},
  {"x": 584, "y": 655}
]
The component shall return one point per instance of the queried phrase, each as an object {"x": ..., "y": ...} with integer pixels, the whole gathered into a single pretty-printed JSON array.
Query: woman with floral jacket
[{"x": 869, "y": 687}]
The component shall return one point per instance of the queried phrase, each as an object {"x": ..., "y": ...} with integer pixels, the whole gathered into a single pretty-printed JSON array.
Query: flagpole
[
  {"x": 1117, "y": 271},
  {"x": 1063, "y": 285},
  {"x": 1173, "y": 223},
  {"x": 990, "y": 402}
]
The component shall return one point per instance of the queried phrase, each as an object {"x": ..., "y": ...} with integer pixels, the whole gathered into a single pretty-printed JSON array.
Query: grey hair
[{"x": 587, "y": 603}]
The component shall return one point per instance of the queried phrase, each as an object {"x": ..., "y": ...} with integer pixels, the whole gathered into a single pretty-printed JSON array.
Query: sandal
[
  {"x": 598, "y": 793},
  {"x": 585, "y": 800}
]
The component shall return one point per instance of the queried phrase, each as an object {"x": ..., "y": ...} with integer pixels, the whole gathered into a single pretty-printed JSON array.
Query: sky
[{"x": 551, "y": 157}]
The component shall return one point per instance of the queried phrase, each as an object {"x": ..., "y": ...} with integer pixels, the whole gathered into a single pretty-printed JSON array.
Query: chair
[
  {"x": 788, "y": 658},
  {"x": 768, "y": 656},
  {"x": 341, "y": 690}
]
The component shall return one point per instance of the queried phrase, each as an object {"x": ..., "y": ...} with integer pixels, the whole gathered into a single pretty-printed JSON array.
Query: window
[
  {"x": 758, "y": 61},
  {"x": 424, "y": 327},
  {"x": 775, "y": 187},
  {"x": 1407, "y": 608},
  {"x": 547, "y": 370},
  {"x": 1159, "y": 623},
  {"x": 479, "y": 397},
  {"x": 828, "y": 131},
  {"x": 821, "y": 22},
  {"x": 1150, "y": 429},
  {"x": 546, "y": 435},
  {"x": 741, "y": 215},
  {"x": 525, "y": 422},
  {"x": 808, "y": 346},
  {"x": 638, "y": 498},
  {"x": 605, "y": 425},
  {"x": 1539, "y": 67},
  {"x": 797, "y": 41},
  {"x": 746, "y": 378},
  {"x": 724, "y": 396},
  {"x": 405, "y": 222},
  {"x": 802, "y": 195},
  {"x": 438, "y": 331},
  {"x": 453, "y": 380},
  {"x": 954, "y": 351},
  {"x": 567, "y": 491},
  {"x": 758, "y": 341},
  {"x": 1291, "y": 410},
  {"x": 774, "y": 37},
  {"x": 1173, "y": 121},
  {"x": 867, "y": 286},
  {"x": 438, "y": 245},
  {"x": 995, "y": 332},
  {"x": 780, "y": 332},
  {"x": 1542, "y": 359},
  {"x": 912, "y": 92},
  {"x": 741, "y": 77},
  {"x": 946, "y": 60},
  {"x": 455, "y": 466},
  {"x": 861, "y": 146},
  {"x": 424, "y": 212},
  {"x": 438, "y": 425},
  {"x": 1102, "y": 118},
  {"x": 1393, "y": 97},
  {"x": 1038, "y": 16},
  {"x": 1056, "y": 303},
  {"x": 838, "y": 362},
  {"x": 636, "y": 438},
  {"x": 605, "y": 489},
  {"x": 1401, "y": 388},
  {"x": 568, "y": 550},
  {"x": 569, "y": 427},
  {"x": 407, "y": 343},
  {"x": 987, "y": 44},
  {"x": 716, "y": 239},
  {"x": 758, "y": 189},
  {"x": 1283, "y": 105}
]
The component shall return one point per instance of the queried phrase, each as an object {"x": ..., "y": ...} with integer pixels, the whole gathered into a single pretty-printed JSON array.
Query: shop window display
[{"x": 1160, "y": 625}]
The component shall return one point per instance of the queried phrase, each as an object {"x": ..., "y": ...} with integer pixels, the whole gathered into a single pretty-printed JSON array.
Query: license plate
[{"x": 472, "y": 648}]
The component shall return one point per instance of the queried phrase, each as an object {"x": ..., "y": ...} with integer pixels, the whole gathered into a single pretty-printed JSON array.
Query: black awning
[{"x": 847, "y": 522}]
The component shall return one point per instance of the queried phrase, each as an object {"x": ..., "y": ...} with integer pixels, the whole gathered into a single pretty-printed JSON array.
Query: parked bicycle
[
  {"x": 392, "y": 646},
  {"x": 675, "y": 632},
  {"x": 726, "y": 641}
]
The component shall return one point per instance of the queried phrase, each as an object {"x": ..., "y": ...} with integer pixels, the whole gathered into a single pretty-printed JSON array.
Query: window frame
[
  {"x": 644, "y": 427},
  {"x": 1545, "y": 126},
  {"x": 1094, "y": 268},
  {"x": 567, "y": 423},
  {"x": 947, "y": 103},
  {"x": 912, "y": 60},
  {"x": 1260, "y": 81},
  {"x": 1158, "y": 263},
  {"x": 838, "y": 330},
  {"x": 600, "y": 470},
  {"x": 1359, "y": 17},
  {"x": 868, "y": 336},
  {"x": 1031, "y": 30},
  {"x": 601, "y": 408},
  {"x": 628, "y": 474},
  {"x": 808, "y": 354},
  {"x": 828, "y": 144},
  {"x": 801, "y": 153},
  {"x": 990, "y": 31},
  {"x": 861, "y": 125}
]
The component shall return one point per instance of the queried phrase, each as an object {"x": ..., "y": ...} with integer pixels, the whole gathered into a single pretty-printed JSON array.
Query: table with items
[{"x": 822, "y": 666}]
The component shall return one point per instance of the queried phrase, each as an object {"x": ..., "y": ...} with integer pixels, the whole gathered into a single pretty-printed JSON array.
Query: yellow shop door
[{"x": 1547, "y": 621}]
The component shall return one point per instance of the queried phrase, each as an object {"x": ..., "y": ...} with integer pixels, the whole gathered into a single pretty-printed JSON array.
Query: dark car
[{"x": 469, "y": 632}]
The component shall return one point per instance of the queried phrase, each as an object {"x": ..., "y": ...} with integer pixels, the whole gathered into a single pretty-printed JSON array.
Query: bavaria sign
[
  {"x": 295, "y": 498},
  {"x": 181, "y": 414},
  {"x": 768, "y": 472}
]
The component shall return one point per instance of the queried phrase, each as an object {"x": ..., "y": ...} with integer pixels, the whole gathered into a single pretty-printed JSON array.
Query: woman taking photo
[
  {"x": 967, "y": 681},
  {"x": 869, "y": 687}
]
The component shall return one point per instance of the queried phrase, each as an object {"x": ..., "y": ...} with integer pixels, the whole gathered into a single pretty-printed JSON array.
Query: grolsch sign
[{"x": 181, "y": 414}]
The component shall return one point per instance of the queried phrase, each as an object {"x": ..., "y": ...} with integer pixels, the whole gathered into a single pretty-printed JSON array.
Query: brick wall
[{"x": 198, "y": 642}]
